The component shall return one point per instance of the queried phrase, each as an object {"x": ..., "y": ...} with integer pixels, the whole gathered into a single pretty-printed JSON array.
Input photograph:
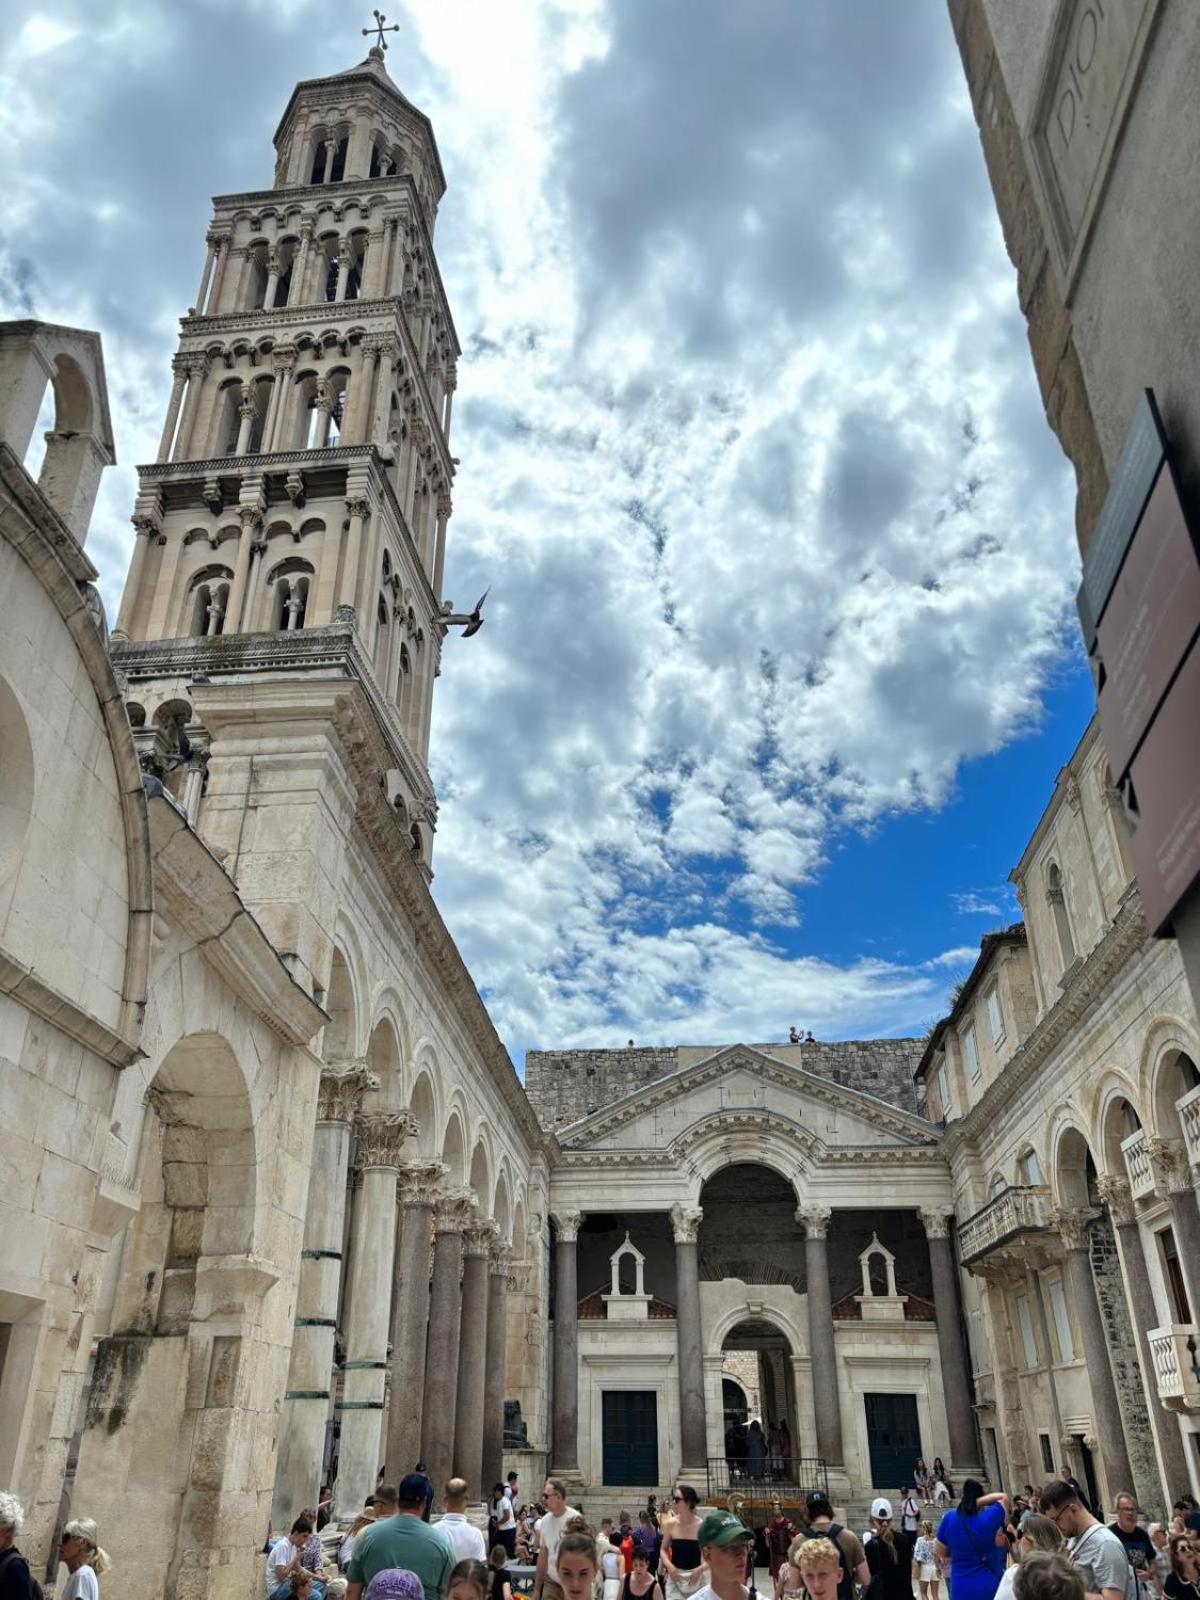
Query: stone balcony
[
  {"x": 1188, "y": 1107},
  {"x": 1015, "y": 1212},
  {"x": 1174, "y": 1353},
  {"x": 1137, "y": 1164}
]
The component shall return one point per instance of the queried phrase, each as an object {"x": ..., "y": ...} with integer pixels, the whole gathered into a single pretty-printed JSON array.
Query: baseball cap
[
  {"x": 721, "y": 1528},
  {"x": 414, "y": 1488},
  {"x": 817, "y": 1500},
  {"x": 881, "y": 1508}
]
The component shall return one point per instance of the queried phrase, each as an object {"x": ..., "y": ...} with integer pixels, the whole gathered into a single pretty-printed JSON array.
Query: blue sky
[{"x": 780, "y": 658}]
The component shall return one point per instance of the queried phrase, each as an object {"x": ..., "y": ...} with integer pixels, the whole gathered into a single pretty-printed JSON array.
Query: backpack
[
  {"x": 845, "y": 1578},
  {"x": 35, "y": 1588}
]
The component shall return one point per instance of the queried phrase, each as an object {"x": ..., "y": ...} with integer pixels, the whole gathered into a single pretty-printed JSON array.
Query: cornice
[
  {"x": 336, "y": 648},
  {"x": 24, "y": 985},
  {"x": 1125, "y": 935},
  {"x": 199, "y": 897},
  {"x": 785, "y": 1075}
]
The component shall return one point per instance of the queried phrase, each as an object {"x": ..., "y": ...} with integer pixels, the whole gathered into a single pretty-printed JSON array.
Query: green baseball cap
[{"x": 721, "y": 1527}]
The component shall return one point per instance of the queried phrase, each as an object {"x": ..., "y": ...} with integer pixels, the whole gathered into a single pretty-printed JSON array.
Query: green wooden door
[{"x": 630, "y": 1436}]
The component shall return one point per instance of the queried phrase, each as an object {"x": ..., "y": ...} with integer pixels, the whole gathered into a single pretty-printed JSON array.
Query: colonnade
[
  {"x": 815, "y": 1220},
  {"x": 422, "y": 1371}
]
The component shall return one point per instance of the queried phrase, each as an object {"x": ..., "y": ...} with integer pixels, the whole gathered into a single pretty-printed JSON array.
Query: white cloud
[
  {"x": 968, "y": 903},
  {"x": 752, "y": 455}
]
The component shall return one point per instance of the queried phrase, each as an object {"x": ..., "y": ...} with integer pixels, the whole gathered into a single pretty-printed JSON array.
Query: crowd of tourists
[{"x": 752, "y": 1453}]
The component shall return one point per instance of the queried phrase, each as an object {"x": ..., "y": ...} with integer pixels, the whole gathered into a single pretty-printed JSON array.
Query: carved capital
[
  {"x": 814, "y": 1220},
  {"x": 455, "y": 1208},
  {"x": 144, "y": 525},
  {"x": 283, "y": 357},
  {"x": 444, "y": 505},
  {"x": 382, "y": 1136},
  {"x": 246, "y": 405},
  {"x": 197, "y": 363},
  {"x": 358, "y": 506},
  {"x": 499, "y": 1257},
  {"x": 251, "y": 519},
  {"x": 1074, "y": 1224},
  {"x": 307, "y": 225},
  {"x": 273, "y": 262},
  {"x": 1169, "y": 1163},
  {"x": 1071, "y": 792},
  {"x": 478, "y": 1236},
  {"x": 341, "y": 1088},
  {"x": 419, "y": 1181},
  {"x": 451, "y": 377},
  {"x": 421, "y": 436},
  {"x": 1118, "y": 1197},
  {"x": 685, "y": 1223},
  {"x": 567, "y": 1224},
  {"x": 345, "y": 253},
  {"x": 936, "y": 1221}
]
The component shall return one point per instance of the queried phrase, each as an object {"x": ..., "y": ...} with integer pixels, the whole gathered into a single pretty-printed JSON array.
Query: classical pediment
[{"x": 738, "y": 1096}]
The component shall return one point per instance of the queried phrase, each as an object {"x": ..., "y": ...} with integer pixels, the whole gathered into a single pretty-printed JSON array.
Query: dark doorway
[
  {"x": 1089, "y": 1472},
  {"x": 630, "y": 1436},
  {"x": 893, "y": 1438}
]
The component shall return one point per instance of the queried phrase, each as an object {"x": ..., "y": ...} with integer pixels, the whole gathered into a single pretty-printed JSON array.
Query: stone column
[
  {"x": 358, "y": 509},
  {"x": 382, "y": 1136},
  {"x": 251, "y": 519},
  {"x": 272, "y": 279},
  {"x": 1173, "y": 1180},
  {"x": 179, "y": 379},
  {"x": 410, "y": 1319},
  {"x": 357, "y": 424},
  {"x": 472, "y": 1357},
  {"x": 283, "y": 363},
  {"x": 494, "y": 1368},
  {"x": 441, "y": 1358},
  {"x": 564, "y": 1453},
  {"x": 822, "y": 1350},
  {"x": 246, "y": 422},
  {"x": 197, "y": 370},
  {"x": 345, "y": 262},
  {"x": 145, "y": 529},
  {"x": 296, "y": 288},
  {"x": 306, "y": 1400},
  {"x": 330, "y": 153},
  {"x": 214, "y": 304},
  {"x": 1073, "y": 1227},
  {"x": 956, "y": 1381},
  {"x": 451, "y": 386},
  {"x": 693, "y": 1429},
  {"x": 211, "y": 241},
  {"x": 326, "y": 400},
  {"x": 1115, "y": 1192}
]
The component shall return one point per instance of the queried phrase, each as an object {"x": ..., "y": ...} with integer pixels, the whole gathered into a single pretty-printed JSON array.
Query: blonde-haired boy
[{"x": 819, "y": 1566}]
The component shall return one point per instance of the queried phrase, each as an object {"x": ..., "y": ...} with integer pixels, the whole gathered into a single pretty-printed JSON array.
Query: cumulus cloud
[{"x": 751, "y": 451}]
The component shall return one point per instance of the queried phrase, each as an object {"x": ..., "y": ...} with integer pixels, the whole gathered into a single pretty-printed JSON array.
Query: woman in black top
[
  {"x": 640, "y": 1584},
  {"x": 1182, "y": 1582},
  {"x": 889, "y": 1555}
]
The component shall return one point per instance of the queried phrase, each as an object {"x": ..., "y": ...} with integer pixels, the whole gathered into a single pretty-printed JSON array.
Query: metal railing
[{"x": 732, "y": 1475}]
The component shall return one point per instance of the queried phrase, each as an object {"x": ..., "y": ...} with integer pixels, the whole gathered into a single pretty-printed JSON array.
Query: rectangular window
[
  {"x": 1047, "y": 1453},
  {"x": 1062, "y": 1322},
  {"x": 1026, "y": 1324},
  {"x": 943, "y": 1088},
  {"x": 1174, "y": 1276},
  {"x": 970, "y": 1053},
  {"x": 995, "y": 1018}
]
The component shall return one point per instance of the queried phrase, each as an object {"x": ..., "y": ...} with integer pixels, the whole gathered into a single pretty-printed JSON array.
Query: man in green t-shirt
[{"x": 401, "y": 1541}]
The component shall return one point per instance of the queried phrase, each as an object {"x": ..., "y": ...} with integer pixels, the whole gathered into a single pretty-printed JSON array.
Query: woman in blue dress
[{"x": 971, "y": 1538}]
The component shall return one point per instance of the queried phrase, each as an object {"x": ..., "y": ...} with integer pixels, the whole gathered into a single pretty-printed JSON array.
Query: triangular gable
[{"x": 760, "y": 1072}]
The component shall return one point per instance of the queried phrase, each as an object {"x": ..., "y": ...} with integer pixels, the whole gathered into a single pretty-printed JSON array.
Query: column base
[{"x": 573, "y": 1480}]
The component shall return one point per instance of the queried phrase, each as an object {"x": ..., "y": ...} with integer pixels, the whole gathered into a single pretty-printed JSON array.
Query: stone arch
[
  {"x": 756, "y": 1137},
  {"x": 1072, "y": 1165},
  {"x": 341, "y": 1031},
  {"x": 454, "y": 1151},
  {"x": 186, "y": 1317},
  {"x": 1118, "y": 1115},
  {"x": 422, "y": 1104},
  {"x": 17, "y": 780},
  {"x": 383, "y": 1057},
  {"x": 480, "y": 1176},
  {"x": 501, "y": 1208},
  {"x": 754, "y": 1310},
  {"x": 1170, "y": 1045},
  {"x": 349, "y": 945},
  {"x": 388, "y": 1004}
]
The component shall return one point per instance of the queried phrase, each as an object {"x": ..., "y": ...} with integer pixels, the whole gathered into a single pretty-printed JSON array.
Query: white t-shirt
[
  {"x": 1004, "y": 1590},
  {"x": 82, "y": 1585},
  {"x": 283, "y": 1553},
  {"x": 504, "y": 1514},
  {"x": 550, "y": 1531},
  {"x": 709, "y": 1593},
  {"x": 465, "y": 1540},
  {"x": 513, "y": 1492}
]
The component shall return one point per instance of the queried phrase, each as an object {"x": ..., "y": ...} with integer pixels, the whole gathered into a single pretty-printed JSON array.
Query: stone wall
[
  {"x": 565, "y": 1086},
  {"x": 1118, "y": 1332}
]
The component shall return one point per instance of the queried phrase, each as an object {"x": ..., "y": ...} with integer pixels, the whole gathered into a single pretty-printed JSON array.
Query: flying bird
[{"x": 469, "y": 623}]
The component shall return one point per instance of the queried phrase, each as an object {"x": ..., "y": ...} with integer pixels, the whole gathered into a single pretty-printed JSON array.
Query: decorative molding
[
  {"x": 454, "y": 1210},
  {"x": 685, "y": 1222},
  {"x": 27, "y": 989},
  {"x": 419, "y": 1182},
  {"x": 1118, "y": 1197},
  {"x": 936, "y": 1221},
  {"x": 1074, "y": 1224},
  {"x": 478, "y": 1237}
]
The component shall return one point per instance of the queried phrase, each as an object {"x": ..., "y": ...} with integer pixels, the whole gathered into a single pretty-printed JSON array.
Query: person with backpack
[
  {"x": 852, "y": 1558},
  {"x": 16, "y": 1582}
]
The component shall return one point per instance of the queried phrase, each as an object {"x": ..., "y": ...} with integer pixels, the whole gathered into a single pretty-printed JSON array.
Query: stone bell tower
[{"x": 291, "y": 534}]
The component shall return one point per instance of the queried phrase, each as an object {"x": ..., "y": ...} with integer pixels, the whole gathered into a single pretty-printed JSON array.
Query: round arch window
[{"x": 16, "y": 780}]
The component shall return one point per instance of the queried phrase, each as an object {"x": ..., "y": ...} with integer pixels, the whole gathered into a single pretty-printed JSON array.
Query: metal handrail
[{"x": 732, "y": 1475}]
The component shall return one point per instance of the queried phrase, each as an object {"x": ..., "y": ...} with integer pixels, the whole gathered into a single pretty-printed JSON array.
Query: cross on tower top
[{"x": 380, "y": 30}]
